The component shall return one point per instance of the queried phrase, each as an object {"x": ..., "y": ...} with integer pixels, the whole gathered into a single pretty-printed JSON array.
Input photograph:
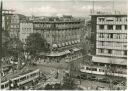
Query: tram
[
  {"x": 21, "y": 79},
  {"x": 101, "y": 71}
]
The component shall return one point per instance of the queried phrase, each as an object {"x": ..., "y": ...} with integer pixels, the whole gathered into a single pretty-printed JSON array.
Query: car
[
  {"x": 104, "y": 80},
  {"x": 82, "y": 76},
  {"x": 100, "y": 88}
]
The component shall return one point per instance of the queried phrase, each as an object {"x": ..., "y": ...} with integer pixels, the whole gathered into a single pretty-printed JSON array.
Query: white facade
[
  {"x": 26, "y": 28},
  {"x": 111, "y": 38}
]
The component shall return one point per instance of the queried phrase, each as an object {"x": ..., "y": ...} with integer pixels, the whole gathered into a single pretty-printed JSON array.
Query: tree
[
  {"x": 57, "y": 86},
  {"x": 14, "y": 46},
  {"x": 68, "y": 83},
  {"x": 48, "y": 87},
  {"x": 36, "y": 43},
  {"x": 5, "y": 40}
]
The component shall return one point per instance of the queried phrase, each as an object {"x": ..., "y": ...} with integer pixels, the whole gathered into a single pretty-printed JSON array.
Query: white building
[
  {"x": 26, "y": 28},
  {"x": 15, "y": 25},
  {"x": 111, "y": 39}
]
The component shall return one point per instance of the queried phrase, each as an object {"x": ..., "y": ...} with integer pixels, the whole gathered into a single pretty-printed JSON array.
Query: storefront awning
[
  {"x": 69, "y": 43},
  {"x": 120, "y": 61},
  {"x": 75, "y": 41},
  {"x": 76, "y": 49},
  {"x": 72, "y": 42},
  {"x": 66, "y": 43},
  {"x": 52, "y": 54},
  {"x": 78, "y": 41},
  {"x": 63, "y": 44},
  {"x": 54, "y": 45},
  {"x": 59, "y": 45}
]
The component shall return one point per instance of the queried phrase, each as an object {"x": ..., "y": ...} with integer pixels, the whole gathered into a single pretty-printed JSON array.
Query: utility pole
[
  {"x": 93, "y": 6},
  {"x": 113, "y": 5},
  {"x": 0, "y": 39}
]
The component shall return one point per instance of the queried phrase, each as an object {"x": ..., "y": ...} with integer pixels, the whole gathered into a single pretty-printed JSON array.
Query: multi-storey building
[
  {"x": 26, "y": 28},
  {"x": 15, "y": 25},
  {"x": 63, "y": 34},
  {"x": 109, "y": 39},
  {"x": 108, "y": 45},
  {"x": 6, "y": 19}
]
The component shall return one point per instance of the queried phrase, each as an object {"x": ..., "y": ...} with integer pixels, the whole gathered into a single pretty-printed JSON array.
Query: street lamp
[{"x": 0, "y": 39}]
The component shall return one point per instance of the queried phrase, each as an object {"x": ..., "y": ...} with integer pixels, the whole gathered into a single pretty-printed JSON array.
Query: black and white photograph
[{"x": 63, "y": 44}]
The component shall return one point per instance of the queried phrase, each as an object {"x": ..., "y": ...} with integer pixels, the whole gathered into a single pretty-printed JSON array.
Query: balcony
[
  {"x": 111, "y": 55},
  {"x": 112, "y": 60},
  {"x": 112, "y": 22},
  {"x": 112, "y": 47},
  {"x": 112, "y": 31},
  {"x": 107, "y": 39}
]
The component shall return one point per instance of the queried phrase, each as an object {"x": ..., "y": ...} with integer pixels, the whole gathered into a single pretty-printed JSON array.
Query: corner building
[
  {"x": 109, "y": 39},
  {"x": 63, "y": 34}
]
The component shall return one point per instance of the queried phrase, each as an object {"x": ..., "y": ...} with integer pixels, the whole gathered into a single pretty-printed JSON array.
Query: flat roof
[
  {"x": 52, "y": 54},
  {"x": 108, "y": 13}
]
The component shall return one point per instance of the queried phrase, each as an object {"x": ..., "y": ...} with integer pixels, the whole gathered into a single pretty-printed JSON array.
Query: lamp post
[{"x": 0, "y": 39}]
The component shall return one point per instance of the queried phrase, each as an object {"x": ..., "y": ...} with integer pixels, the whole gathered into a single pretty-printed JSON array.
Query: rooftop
[
  {"x": 57, "y": 19},
  {"x": 118, "y": 13}
]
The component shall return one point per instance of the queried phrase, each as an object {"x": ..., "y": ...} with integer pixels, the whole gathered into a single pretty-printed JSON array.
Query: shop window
[
  {"x": 110, "y": 27},
  {"x": 118, "y": 27}
]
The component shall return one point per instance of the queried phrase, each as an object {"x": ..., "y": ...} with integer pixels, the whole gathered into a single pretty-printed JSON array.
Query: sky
[{"x": 62, "y": 7}]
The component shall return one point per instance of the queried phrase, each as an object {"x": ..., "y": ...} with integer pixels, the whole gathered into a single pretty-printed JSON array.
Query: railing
[
  {"x": 108, "y": 39},
  {"x": 112, "y": 31}
]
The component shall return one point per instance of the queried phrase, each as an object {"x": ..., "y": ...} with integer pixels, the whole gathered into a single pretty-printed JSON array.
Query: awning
[
  {"x": 75, "y": 41},
  {"x": 78, "y": 41},
  {"x": 69, "y": 43},
  {"x": 72, "y": 42},
  {"x": 59, "y": 45},
  {"x": 54, "y": 45},
  {"x": 58, "y": 53},
  {"x": 121, "y": 61},
  {"x": 63, "y": 44},
  {"x": 66, "y": 43},
  {"x": 76, "y": 49}
]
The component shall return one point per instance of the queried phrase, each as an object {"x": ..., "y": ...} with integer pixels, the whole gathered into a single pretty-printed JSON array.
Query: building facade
[
  {"x": 109, "y": 40},
  {"x": 15, "y": 25},
  {"x": 63, "y": 34},
  {"x": 26, "y": 28}
]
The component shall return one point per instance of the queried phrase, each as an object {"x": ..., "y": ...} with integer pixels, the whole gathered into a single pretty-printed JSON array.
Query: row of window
[
  {"x": 110, "y": 51},
  {"x": 14, "y": 26},
  {"x": 111, "y": 27},
  {"x": 57, "y": 25},
  {"x": 27, "y": 29},
  {"x": 112, "y": 36},
  {"x": 111, "y": 44},
  {"x": 14, "y": 21},
  {"x": 118, "y": 19}
]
